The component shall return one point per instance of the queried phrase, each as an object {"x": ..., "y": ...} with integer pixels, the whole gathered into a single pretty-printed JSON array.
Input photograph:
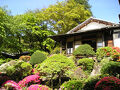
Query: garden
[{"x": 40, "y": 70}]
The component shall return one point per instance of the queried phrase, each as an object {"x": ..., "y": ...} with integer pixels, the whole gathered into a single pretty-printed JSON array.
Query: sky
[{"x": 102, "y": 9}]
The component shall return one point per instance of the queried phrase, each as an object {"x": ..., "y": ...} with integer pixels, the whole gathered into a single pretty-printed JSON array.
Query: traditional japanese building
[{"x": 95, "y": 32}]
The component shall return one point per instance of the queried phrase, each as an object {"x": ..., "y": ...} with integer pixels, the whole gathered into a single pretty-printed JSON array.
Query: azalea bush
[
  {"x": 84, "y": 50},
  {"x": 11, "y": 85},
  {"x": 29, "y": 79},
  {"x": 103, "y": 52},
  {"x": 113, "y": 52},
  {"x": 116, "y": 53},
  {"x": 108, "y": 83},
  {"x": 38, "y": 87}
]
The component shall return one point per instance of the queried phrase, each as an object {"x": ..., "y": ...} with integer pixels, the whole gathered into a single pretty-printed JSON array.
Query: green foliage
[
  {"x": 103, "y": 52},
  {"x": 2, "y": 61},
  {"x": 104, "y": 61},
  {"x": 9, "y": 42},
  {"x": 37, "y": 57},
  {"x": 19, "y": 70},
  {"x": 65, "y": 15},
  {"x": 72, "y": 85},
  {"x": 111, "y": 68},
  {"x": 34, "y": 31},
  {"x": 86, "y": 63},
  {"x": 84, "y": 50},
  {"x": 77, "y": 74},
  {"x": 91, "y": 82},
  {"x": 56, "y": 50},
  {"x": 26, "y": 68},
  {"x": 55, "y": 66},
  {"x": 11, "y": 70}
]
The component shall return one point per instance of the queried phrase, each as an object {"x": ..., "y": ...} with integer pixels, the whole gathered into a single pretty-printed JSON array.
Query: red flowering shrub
[
  {"x": 28, "y": 79},
  {"x": 113, "y": 52},
  {"x": 116, "y": 53},
  {"x": 103, "y": 52},
  {"x": 38, "y": 87},
  {"x": 108, "y": 83}
]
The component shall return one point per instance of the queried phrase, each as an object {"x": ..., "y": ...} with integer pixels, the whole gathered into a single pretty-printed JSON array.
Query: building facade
[{"x": 95, "y": 32}]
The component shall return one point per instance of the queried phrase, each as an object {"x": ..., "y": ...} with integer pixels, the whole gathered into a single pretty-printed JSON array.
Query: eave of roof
[
  {"x": 60, "y": 37},
  {"x": 91, "y": 19}
]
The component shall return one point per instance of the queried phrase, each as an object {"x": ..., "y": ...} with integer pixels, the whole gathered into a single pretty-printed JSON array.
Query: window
[{"x": 69, "y": 47}]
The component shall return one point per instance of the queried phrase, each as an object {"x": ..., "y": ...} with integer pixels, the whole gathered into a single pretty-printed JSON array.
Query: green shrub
[
  {"x": 10, "y": 70},
  {"x": 111, "y": 68},
  {"x": 37, "y": 57},
  {"x": 86, "y": 63},
  {"x": 56, "y": 50},
  {"x": 55, "y": 66},
  {"x": 104, "y": 61},
  {"x": 19, "y": 70},
  {"x": 26, "y": 68},
  {"x": 72, "y": 85},
  {"x": 77, "y": 74},
  {"x": 84, "y": 50},
  {"x": 2, "y": 61},
  {"x": 103, "y": 52},
  {"x": 91, "y": 82}
]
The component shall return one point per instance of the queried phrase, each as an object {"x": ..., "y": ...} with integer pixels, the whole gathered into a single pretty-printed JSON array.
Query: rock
[{"x": 4, "y": 66}]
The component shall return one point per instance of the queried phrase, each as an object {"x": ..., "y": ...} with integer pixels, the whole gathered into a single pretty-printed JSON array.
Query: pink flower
[
  {"x": 12, "y": 84},
  {"x": 37, "y": 87},
  {"x": 31, "y": 78}
]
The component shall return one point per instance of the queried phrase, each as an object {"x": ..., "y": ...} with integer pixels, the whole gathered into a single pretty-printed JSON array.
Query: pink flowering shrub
[
  {"x": 38, "y": 87},
  {"x": 12, "y": 84},
  {"x": 108, "y": 83},
  {"x": 28, "y": 79}
]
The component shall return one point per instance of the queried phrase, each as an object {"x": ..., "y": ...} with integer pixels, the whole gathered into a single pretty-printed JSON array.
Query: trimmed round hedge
[
  {"x": 72, "y": 85},
  {"x": 111, "y": 68},
  {"x": 84, "y": 50},
  {"x": 37, "y": 57},
  {"x": 86, "y": 63}
]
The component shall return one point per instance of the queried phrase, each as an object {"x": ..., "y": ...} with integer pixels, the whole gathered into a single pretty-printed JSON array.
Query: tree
[
  {"x": 8, "y": 42},
  {"x": 33, "y": 31},
  {"x": 55, "y": 66},
  {"x": 63, "y": 16}
]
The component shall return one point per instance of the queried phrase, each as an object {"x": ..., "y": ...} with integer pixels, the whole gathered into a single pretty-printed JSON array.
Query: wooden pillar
[
  {"x": 73, "y": 43},
  {"x": 60, "y": 47},
  {"x": 103, "y": 40},
  {"x": 66, "y": 47}
]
